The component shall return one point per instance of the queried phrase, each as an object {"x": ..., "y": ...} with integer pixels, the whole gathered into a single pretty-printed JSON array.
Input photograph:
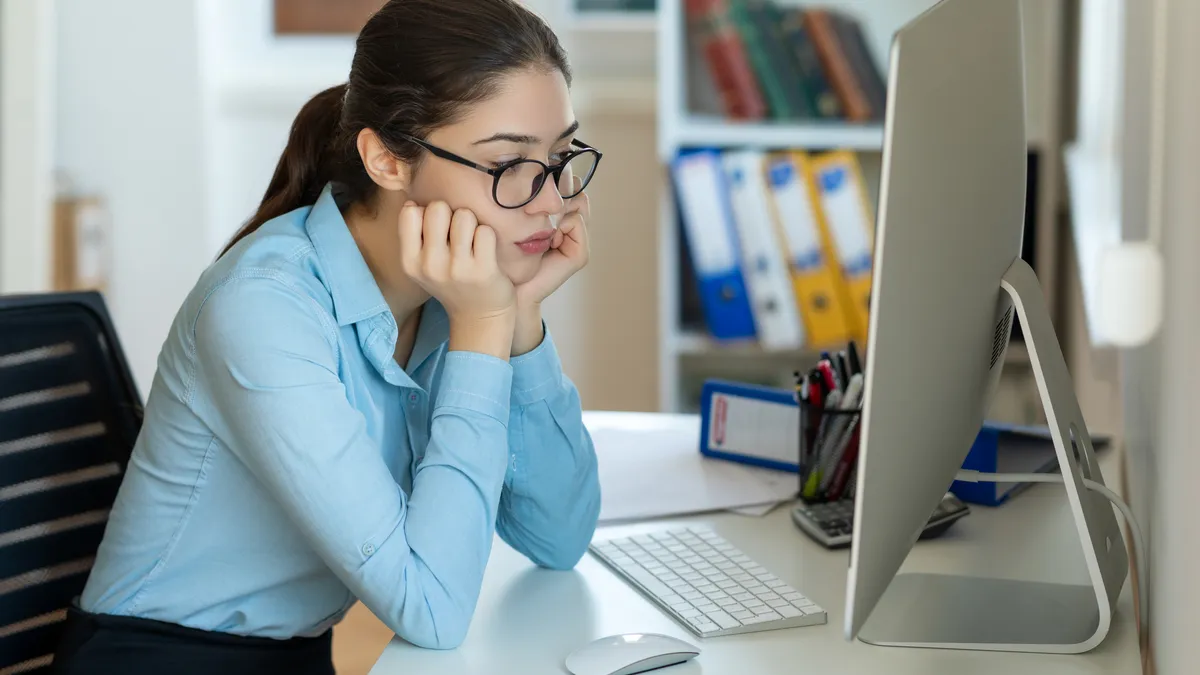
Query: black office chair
[{"x": 69, "y": 415}]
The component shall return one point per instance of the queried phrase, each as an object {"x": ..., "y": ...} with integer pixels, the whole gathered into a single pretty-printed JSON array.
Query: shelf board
[
  {"x": 698, "y": 345},
  {"x": 708, "y": 132},
  {"x": 614, "y": 22},
  {"x": 690, "y": 343}
]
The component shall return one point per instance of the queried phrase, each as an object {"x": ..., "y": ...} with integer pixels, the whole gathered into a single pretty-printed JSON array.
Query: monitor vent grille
[{"x": 1001, "y": 337}]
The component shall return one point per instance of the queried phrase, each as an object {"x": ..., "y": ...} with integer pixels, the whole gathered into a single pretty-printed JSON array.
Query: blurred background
[{"x": 136, "y": 136}]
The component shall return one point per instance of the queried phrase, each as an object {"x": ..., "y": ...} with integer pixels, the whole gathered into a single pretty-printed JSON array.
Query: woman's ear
[{"x": 382, "y": 166}]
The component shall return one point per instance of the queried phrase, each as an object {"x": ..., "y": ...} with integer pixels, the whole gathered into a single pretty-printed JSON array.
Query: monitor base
[{"x": 956, "y": 612}]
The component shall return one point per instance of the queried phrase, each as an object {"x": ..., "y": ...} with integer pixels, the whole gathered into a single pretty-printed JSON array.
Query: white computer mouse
[{"x": 629, "y": 654}]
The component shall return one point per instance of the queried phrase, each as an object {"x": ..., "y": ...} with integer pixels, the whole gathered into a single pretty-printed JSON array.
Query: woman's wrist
[
  {"x": 529, "y": 331},
  {"x": 492, "y": 335}
]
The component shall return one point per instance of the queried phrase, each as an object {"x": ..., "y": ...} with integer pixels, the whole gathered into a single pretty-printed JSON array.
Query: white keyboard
[{"x": 705, "y": 583}]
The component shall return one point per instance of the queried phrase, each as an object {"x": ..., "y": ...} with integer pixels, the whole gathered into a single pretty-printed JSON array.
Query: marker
[
  {"x": 852, "y": 357},
  {"x": 830, "y": 378},
  {"x": 842, "y": 371}
]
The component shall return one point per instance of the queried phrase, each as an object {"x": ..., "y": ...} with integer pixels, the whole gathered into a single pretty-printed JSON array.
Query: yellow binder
[
  {"x": 819, "y": 292},
  {"x": 837, "y": 178}
]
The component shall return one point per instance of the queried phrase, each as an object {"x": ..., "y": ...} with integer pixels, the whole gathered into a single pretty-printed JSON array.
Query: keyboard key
[
  {"x": 727, "y": 584},
  {"x": 809, "y": 611},
  {"x": 726, "y": 602},
  {"x": 707, "y": 588},
  {"x": 726, "y": 565},
  {"x": 742, "y": 578},
  {"x": 692, "y": 612},
  {"x": 707, "y": 606},
  {"x": 775, "y": 584},
  {"x": 742, "y": 615},
  {"x": 761, "y": 611},
  {"x": 789, "y": 612},
  {"x": 717, "y": 595},
  {"x": 723, "y": 619},
  {"x": 763, "y": 618},
  {"x": 777, "y": 603},
  {"x": 768, "y": 597},
  {"x": 692, "y": 595},
  {"x": 703, "y": 625},
  {"x": 692, "y": 577},
  {"x": 765, "y": 577},
  {"x": 793, "y": 596},
  {"x": 754, "y": 603},
  {"x": 647, "y": 580},
  {"x": 670, "y": 598},
  {"x": 742, "y": 597}
]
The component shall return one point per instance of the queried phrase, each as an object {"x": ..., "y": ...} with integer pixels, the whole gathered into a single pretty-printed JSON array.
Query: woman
[{"x": 360, "y": 391}]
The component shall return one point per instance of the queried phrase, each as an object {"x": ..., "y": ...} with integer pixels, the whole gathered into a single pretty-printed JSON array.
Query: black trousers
[{"x": 96, "y": 644}]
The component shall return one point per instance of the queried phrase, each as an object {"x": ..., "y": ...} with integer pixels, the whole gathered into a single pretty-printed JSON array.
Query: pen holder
[{"x": 828, "y": 452}]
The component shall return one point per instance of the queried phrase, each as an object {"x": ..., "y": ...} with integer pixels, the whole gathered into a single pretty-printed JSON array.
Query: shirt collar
[{"x": 355, "y": 294}]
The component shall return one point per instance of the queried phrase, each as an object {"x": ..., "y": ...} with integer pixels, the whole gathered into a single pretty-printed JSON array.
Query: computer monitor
[{"x": 949, "y": 283}]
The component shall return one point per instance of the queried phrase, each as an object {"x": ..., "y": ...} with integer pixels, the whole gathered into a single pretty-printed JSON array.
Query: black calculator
[{"x": 830, "y": 523}]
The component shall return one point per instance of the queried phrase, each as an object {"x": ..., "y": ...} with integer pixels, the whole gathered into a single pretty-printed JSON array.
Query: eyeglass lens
[{"x": 520, "y": 182}]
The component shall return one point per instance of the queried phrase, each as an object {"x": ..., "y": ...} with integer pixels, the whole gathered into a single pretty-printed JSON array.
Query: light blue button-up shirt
[{"x": 288, "y": 465}]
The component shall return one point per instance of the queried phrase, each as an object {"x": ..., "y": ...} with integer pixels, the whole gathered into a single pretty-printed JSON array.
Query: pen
[
  {"x": 842, "y": 372},
  {"x": 834, "y": 443},
  {"x": 852, "y": 357},
  {"x": 828, "y": 422},
  {"x": 827, "y": 375}
]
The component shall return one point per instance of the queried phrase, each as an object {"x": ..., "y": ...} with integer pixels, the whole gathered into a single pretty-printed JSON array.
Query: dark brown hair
[{"x": 418, "y": 64}]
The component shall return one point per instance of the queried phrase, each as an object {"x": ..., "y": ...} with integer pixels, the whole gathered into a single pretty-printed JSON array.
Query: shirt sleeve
[
  {"x": 267, "y": 351},
  {"x": 551, "y": 501}
]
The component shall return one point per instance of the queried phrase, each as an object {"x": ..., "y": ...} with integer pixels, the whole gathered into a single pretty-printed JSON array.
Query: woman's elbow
[{"x": 444, "y": 629}]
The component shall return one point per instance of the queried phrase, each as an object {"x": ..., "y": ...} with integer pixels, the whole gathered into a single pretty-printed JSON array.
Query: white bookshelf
[{"x": 685, "y": 355}]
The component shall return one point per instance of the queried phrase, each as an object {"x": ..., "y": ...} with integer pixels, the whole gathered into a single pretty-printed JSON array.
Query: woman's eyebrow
[{"x": 525, "y": 139}]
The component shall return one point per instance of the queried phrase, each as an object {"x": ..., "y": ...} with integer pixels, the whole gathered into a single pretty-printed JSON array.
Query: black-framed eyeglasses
[{"x": 516, "y": 183}]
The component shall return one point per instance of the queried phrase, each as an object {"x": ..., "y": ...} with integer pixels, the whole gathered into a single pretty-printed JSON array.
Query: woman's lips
[{"x": 536, "y": 244}]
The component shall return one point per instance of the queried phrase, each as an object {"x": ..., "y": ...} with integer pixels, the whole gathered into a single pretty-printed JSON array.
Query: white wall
[
  {"x": 26, "y": 143},
  {"x": 130, "y": 129},
  {"x": 1162, "y": 380}
]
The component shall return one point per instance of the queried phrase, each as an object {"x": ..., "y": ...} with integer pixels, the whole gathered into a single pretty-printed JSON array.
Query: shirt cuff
[
  {"x": 538, "y": 373},
  {"x": 478, "y": 382}
]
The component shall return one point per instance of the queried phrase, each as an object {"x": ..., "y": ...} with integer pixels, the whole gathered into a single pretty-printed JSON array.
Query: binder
[
  {"x": 707, "y": 217},
  {"x": 749, "y": 423},
  {"x": 1009, "y": 448},
  {"x": 848, "y": 214},
  {"x": 820, "y": 293},
  {"x": 768, "y": 281},
  {"x": 759, "y": 425}
]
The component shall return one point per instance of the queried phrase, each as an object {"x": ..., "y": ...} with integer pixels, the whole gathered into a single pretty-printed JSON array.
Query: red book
[{"x": 725, "y": 54}]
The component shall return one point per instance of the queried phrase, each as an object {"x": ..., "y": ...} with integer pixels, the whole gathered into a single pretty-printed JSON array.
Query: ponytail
[{"x": 306, "y": 164}]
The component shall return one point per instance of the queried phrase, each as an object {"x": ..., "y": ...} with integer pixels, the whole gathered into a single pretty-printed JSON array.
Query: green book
[{"x": 777, "y": 74}]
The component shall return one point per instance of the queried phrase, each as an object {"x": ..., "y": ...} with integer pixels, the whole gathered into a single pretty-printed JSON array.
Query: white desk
[{"x": 528, "y": 619}]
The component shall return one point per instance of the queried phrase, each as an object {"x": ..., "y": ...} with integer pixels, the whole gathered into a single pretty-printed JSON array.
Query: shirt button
[
  {"x": 412, "y": 398},
  {"x": 368, "y": 549}
]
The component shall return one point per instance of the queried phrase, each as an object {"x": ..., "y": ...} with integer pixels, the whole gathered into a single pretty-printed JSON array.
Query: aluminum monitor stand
[{"x": 959, "y": 612}]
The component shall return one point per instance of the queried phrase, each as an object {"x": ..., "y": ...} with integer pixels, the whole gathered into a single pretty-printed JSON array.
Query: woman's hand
[
  {"x": 453, "y": 258},
  {"x": 567, "y": 255}
]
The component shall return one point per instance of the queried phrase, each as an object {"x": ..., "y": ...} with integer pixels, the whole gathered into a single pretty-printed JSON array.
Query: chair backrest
[{"x": 69, "y": 415}]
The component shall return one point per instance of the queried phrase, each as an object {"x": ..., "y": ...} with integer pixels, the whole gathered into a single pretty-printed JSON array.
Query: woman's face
[{"x": 530, "y": 118}]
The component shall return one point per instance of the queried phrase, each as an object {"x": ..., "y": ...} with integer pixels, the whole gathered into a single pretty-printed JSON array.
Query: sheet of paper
[{"x": 650, "y": 466}]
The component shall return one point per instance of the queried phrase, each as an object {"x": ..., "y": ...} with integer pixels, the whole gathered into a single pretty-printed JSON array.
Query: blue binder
[
  {"x": 702, "y": 197},
  {"x": 1009, "y": 448},
  {"x": 758, "y": 425}
]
